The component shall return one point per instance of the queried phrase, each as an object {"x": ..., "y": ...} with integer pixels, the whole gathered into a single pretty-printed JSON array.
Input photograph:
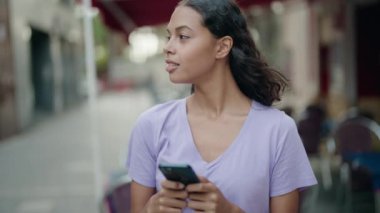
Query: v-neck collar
[{"x": 190, "y": 138}]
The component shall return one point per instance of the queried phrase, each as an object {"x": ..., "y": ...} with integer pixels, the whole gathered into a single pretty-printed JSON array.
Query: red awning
[{"x": 126, "y": 15}]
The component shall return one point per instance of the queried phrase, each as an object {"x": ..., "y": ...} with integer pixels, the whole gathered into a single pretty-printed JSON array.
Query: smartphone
[{"x": 179, "y": 172}]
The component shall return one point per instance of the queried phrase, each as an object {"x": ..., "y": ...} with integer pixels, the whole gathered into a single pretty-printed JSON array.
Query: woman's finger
[
  {"x": 198, "y": 196},
  {"x": 173, "y": 193},
  {"x": 166, "y": 209},
  {"x": 172, "y": 202},
  {"x": 172, "y": 185},
  {"x": 203, "y": 179},
  {"x": 201, "y": 187},
  {"x": 201, "y": 206}
]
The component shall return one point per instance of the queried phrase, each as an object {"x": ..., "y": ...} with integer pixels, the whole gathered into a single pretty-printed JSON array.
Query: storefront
[{"x": 7, "y": 83}]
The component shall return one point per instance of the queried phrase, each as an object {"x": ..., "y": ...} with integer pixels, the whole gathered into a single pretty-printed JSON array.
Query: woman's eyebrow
[{"x": 179, "y": 28}]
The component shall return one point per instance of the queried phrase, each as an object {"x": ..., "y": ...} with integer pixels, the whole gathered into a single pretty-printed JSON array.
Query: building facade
[{"x": 42, "y": 65}]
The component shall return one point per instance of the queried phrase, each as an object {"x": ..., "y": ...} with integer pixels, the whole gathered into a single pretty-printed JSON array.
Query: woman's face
[{"x": 191, "y": 48}]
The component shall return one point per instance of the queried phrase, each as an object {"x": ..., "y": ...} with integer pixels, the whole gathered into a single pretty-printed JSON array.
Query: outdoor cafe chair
[
  {"x": 354, "y": 139},
  {"x": 117, "y": 197}
]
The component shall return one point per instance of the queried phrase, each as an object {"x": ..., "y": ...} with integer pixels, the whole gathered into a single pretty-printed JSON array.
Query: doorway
[
  {"x": 42, "y": 71},
  {"x": 368, "y": 49}
]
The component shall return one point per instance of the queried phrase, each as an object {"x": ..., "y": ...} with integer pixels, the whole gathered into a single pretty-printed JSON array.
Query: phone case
[{"x": 179, "y": 172}]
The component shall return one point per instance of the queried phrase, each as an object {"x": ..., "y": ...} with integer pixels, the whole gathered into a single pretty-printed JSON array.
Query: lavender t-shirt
[{"x": 266, "y": 159}]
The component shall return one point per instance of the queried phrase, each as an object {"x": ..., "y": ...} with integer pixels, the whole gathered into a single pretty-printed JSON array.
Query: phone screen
[{"x": 179, "y": 172}]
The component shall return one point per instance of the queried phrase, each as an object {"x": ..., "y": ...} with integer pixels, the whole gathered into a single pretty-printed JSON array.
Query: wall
[
  {"x": 59, "y": 21},
  {"x": 8, "y": 124},
  {"x": 301, "y": 43}
]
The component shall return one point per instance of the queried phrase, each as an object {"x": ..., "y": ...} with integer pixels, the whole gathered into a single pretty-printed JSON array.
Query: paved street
[{"x": 49, "y": 167}]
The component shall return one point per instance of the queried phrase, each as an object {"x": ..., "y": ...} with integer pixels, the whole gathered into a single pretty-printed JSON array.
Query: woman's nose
[{"x": 169, "y": 48}]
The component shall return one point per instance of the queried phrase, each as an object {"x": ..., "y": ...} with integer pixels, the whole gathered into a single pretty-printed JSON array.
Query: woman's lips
[{"x": 171, "y": 66}]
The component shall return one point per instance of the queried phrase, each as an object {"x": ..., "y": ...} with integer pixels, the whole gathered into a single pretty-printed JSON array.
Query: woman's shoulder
[
  {"x": 273, "y": 115},
  {"x": 163, "y": 108}
]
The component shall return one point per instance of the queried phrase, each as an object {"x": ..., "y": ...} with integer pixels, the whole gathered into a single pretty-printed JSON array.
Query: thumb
[{"x": 203, "y": 179}]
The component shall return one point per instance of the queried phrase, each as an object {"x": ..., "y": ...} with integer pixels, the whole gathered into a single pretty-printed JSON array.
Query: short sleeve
[
  {"x": 141, "y": 158},
  {"x": 291, "y": 169}
]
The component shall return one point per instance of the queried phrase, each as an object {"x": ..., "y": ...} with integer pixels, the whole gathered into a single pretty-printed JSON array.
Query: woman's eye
[
  {"x": 183, "y": 37},
  {"x": 167, "y": 38}
]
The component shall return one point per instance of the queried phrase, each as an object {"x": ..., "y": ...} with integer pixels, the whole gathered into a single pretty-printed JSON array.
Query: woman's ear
[{"x": 224, "y": 46}]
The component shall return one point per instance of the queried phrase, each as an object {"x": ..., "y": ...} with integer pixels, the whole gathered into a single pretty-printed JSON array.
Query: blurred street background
[
  {"x": 49, "y": 167},
  {"x": 76, "y": 74}
]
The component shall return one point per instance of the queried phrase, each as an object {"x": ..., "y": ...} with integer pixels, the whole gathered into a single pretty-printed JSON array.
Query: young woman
[{"x": 248, "y": 155}]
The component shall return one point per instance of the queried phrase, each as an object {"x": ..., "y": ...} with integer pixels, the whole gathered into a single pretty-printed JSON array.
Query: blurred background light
[
  {"x": 144, "y": 44},
  {"x": 277, "y": 7}
]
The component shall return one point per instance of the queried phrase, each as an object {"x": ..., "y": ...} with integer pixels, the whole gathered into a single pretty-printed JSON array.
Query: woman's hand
[
  {"x": 206, "y": 197},
  {"x": 170, "y": 199}
]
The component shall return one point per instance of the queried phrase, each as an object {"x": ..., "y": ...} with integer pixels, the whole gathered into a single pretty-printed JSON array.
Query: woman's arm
[
  {"x": 287, "y": 203},
  {"x": 140, "y": 196}
]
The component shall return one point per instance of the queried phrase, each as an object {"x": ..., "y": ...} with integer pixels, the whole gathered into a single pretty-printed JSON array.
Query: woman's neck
[{"x": 219, "y": 96}]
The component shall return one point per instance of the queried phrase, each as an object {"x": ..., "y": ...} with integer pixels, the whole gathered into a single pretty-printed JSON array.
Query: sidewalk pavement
[{"x": 49, "y": 167}]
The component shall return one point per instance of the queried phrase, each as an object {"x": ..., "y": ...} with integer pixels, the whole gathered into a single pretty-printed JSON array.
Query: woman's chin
[{"x": 176, "y": 80}]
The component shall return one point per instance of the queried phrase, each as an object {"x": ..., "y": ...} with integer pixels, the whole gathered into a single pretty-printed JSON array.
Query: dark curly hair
[{"x": 252, "y": 74}]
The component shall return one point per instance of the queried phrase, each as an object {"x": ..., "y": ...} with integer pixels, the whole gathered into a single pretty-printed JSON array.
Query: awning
[{"x": 125, "y": 15}]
